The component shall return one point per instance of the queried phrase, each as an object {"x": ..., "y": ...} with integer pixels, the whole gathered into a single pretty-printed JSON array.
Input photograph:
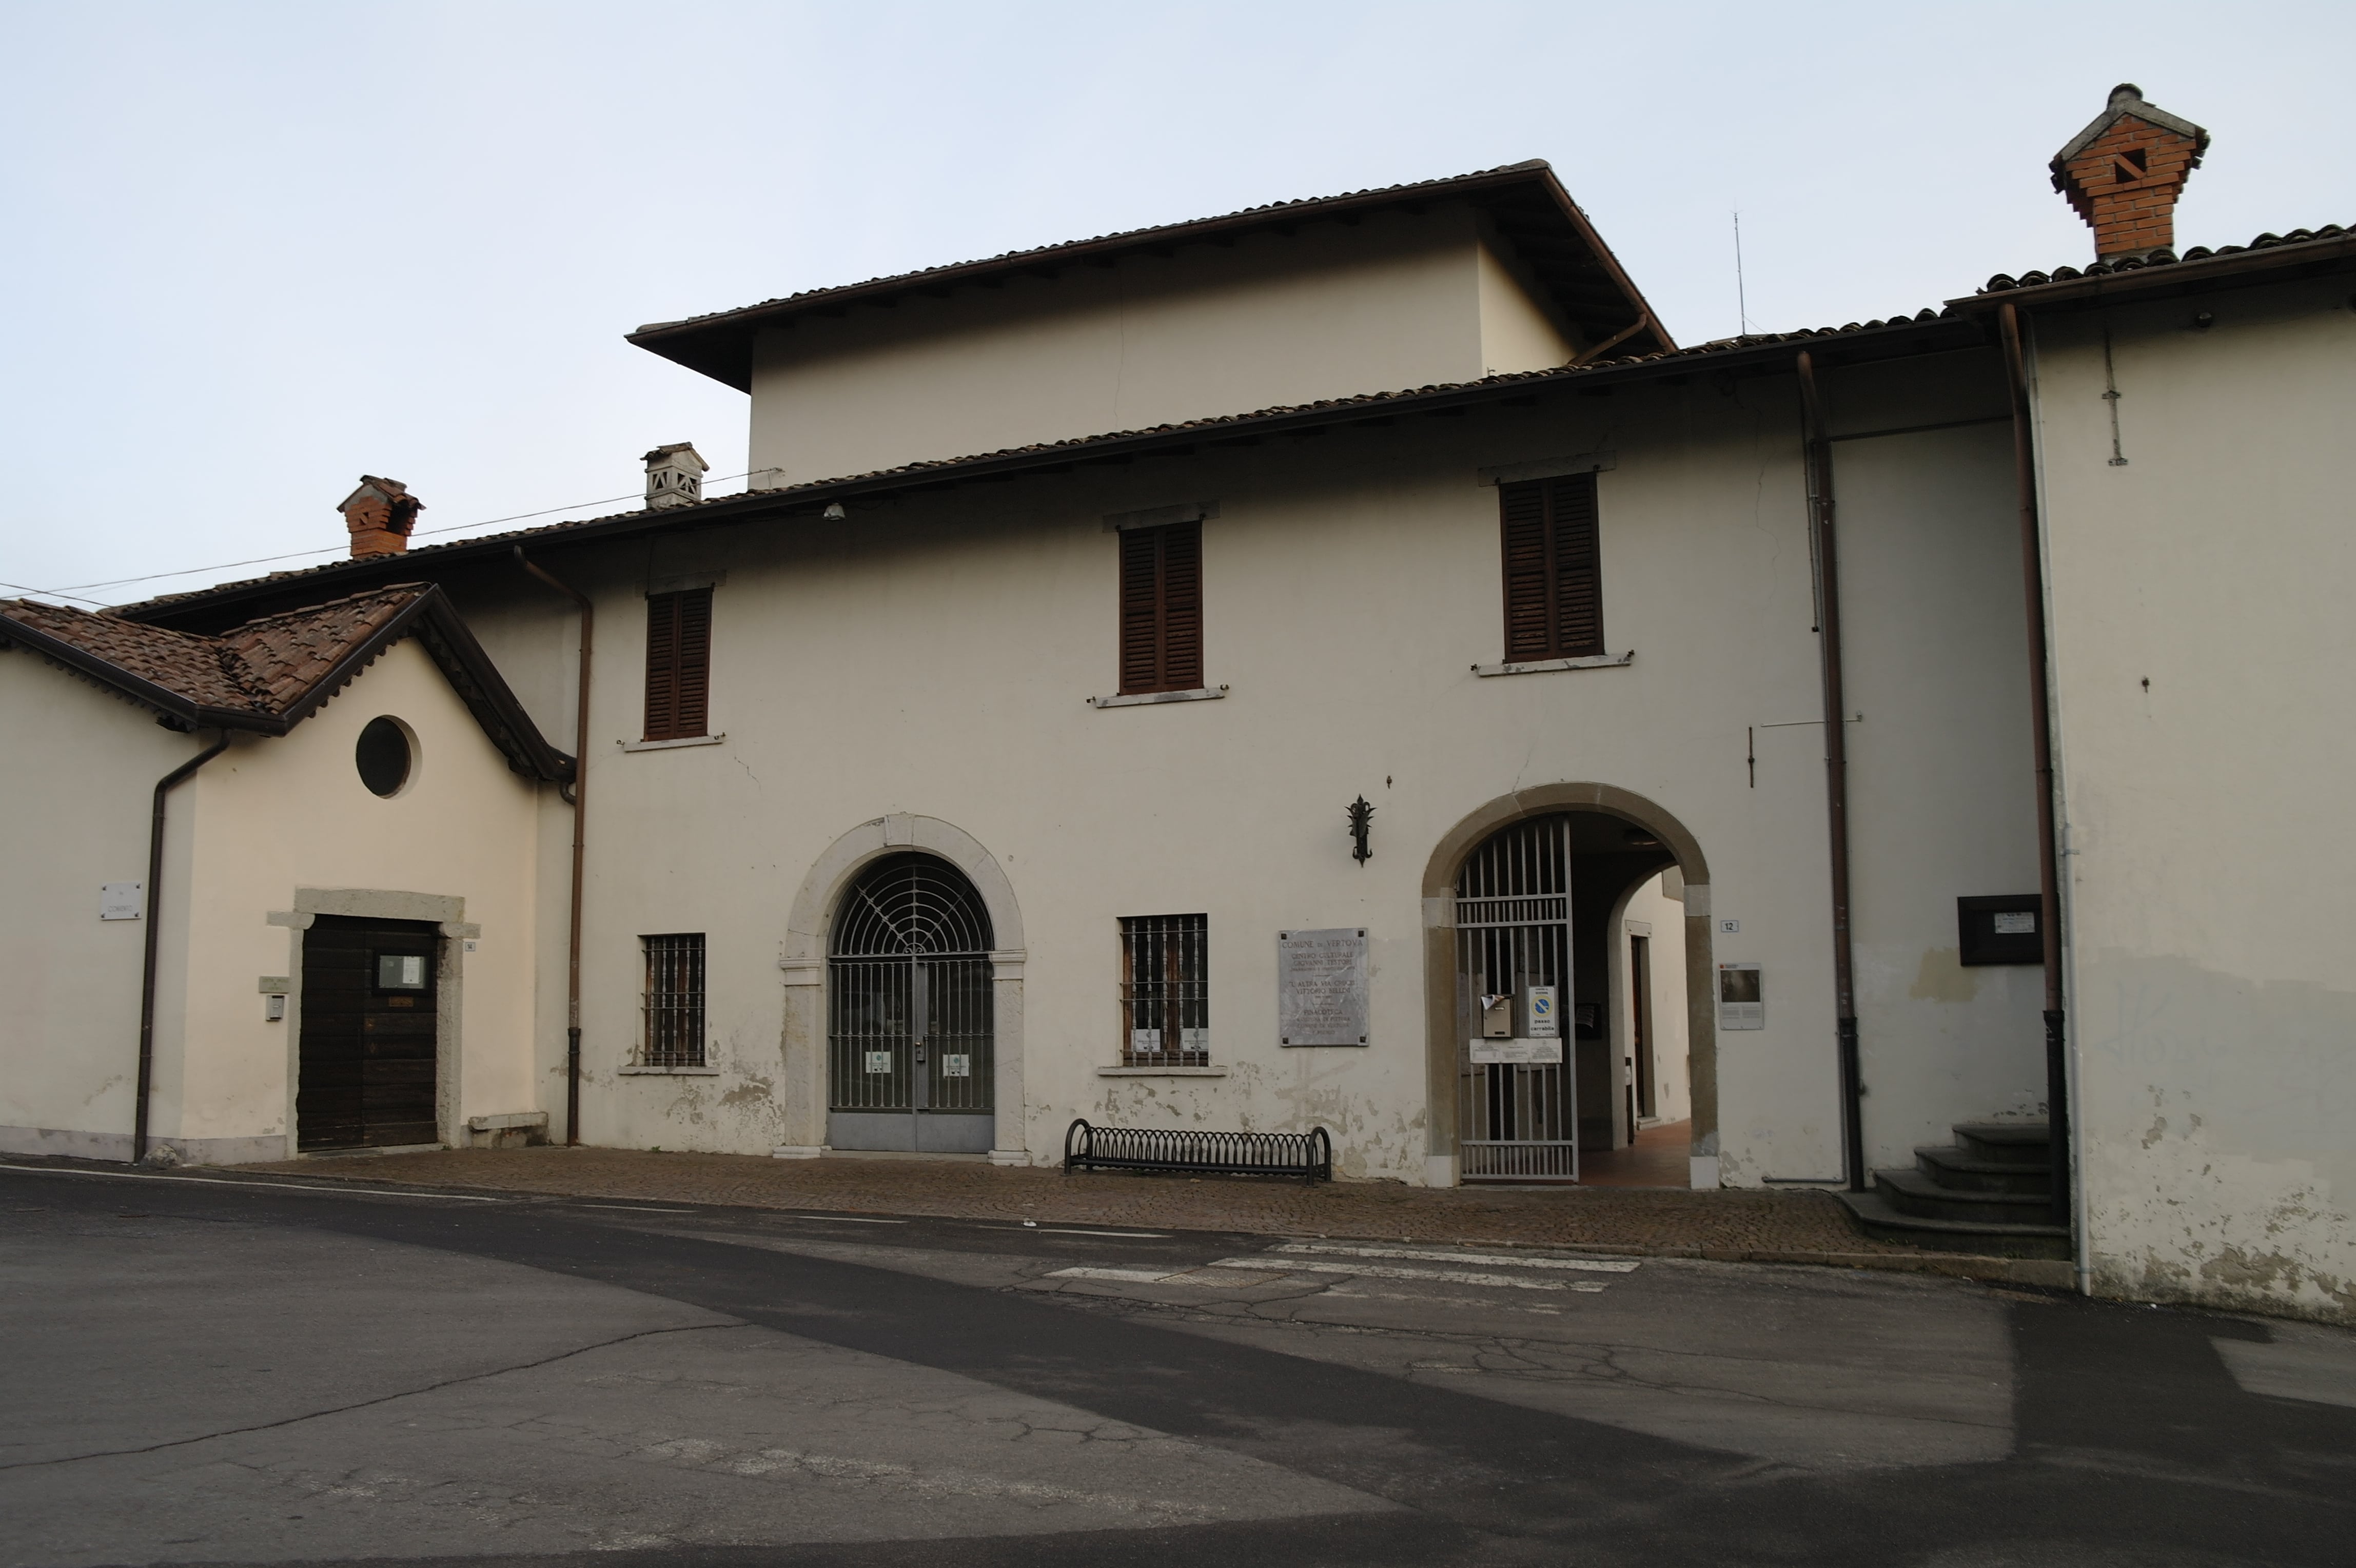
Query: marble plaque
[{"x": 1321, "y": 987}]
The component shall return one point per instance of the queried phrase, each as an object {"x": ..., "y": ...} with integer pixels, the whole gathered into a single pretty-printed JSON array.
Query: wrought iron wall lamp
[{"x": 1360, "y": 817}]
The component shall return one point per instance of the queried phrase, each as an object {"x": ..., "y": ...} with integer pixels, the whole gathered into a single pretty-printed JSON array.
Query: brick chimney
[
  {"x": 2124, "y": 173},
  {"x": 380, "y": 515},
  {"x": 675, "y": 476}
]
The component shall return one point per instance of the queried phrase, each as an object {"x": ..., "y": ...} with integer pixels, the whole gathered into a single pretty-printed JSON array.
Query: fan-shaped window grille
[
  {"x": 909, "y": 1004},
  {"x": 911, "y": 904}
]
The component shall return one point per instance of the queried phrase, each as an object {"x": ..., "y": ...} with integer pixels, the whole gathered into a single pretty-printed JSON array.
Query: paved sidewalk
[{"x": 1725, "y": 1225}]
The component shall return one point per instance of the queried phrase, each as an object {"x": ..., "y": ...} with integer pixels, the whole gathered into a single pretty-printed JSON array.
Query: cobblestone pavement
[{"x": 1731, "y": 1225}]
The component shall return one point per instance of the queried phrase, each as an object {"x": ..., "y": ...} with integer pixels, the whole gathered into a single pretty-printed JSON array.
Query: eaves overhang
[
  {"x": 1900, "y": 338},
  {"x": 2269, "y": 259},
  {"x": 1529, "y": 204}
]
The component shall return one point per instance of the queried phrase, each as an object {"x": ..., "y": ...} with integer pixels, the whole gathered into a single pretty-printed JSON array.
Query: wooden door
[{"x": 371, "y": 1034}]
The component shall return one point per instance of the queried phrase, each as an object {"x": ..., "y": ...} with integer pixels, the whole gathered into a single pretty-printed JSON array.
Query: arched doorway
[
  {"x": 910, "y": 1020},
  {"x": 1521, "y": 905}
]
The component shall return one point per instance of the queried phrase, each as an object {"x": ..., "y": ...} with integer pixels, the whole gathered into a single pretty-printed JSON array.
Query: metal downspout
[
  {"x": 164, "y": 787},
  {"x": 579, "y": 798},
  {"x": 1819, "y": 467},
  {"x": 2048, "y": 867}
]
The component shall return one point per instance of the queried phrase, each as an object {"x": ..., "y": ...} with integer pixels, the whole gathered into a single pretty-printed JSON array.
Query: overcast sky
[{"x": 255, "y": 249}]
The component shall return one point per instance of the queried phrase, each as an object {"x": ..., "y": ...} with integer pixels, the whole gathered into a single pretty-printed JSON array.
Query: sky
[{"x": 256, "y": 250}]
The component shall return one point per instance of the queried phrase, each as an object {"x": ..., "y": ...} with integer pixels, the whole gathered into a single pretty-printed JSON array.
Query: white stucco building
[{"x": 974, "y": 771}]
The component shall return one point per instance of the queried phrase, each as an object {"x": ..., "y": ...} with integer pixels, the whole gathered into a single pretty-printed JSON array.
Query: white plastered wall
[
  {"x": 933, "y": 656},
  {"x": 2215, "y": 1076},
  {"x": 1401, "y": 300},
  {"x": 1651, "y": 913},
  {"x": 273, "y": 817},
  {"x": 76, "y": 784}
]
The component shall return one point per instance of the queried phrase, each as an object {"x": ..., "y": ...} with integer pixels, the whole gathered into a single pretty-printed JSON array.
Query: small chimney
[
  {"x": 2124, "y": 173},
  {"x": 674, "y": 476},
  {"x": 378, "y": 516}
]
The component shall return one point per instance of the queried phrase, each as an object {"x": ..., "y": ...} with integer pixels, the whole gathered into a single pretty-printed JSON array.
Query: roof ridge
[
  {"x": 1035, "y": 251},
  {"x": 2163, "y": 256}
]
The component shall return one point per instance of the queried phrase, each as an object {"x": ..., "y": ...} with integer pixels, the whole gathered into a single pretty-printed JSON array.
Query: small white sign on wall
[
  {"x": 1145, "y": 1042},
  {"x": 1195, "y": 1042},
  {"x": 1516, "y": 1053},
  {"x": 957, "y": 1065},
  {"x": 122, "y": 900},
  {"x": 879, "y": 1064},
  {"x": 1543, "y": 1026}
]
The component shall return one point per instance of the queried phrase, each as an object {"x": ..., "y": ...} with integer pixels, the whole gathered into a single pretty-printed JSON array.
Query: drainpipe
[
  {"x": 1819, "y": 466},
  {"x": 164, "y": 787},
  {"x": 579, "y": 798},
  {"x": 2049, "y": 866}
]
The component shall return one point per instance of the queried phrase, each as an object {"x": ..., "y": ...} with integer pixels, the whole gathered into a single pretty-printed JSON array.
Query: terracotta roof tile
[{"x": 2003, "y": 282}]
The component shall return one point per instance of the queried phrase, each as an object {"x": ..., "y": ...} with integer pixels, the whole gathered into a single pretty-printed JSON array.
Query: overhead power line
[{"x": 71, "y": 592}]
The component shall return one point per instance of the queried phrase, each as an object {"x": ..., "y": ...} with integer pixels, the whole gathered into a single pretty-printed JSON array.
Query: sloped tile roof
[
  {"x": 263, "y": 668},
  {"x": 2003, "y": 282}
]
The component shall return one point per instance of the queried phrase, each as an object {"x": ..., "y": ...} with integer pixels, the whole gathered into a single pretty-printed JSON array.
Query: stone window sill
[
  {"x": 635, "y": 1070},
  {"x": 671, "y": 745},
  {"x": 1596, "y": 662},
  {"x": 1145, "y": 698},
  {"x": 1161, "y": 1072}
]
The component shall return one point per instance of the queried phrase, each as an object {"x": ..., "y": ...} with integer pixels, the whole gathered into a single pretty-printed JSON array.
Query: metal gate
[
  {"x": 909, "y": 1057},
  {"x": 1517, "y": 1120},
  {"x": 367, "y": 1061}
]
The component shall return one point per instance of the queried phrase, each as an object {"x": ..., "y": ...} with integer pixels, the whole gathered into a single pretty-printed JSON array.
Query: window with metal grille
[
  {"x": 1162, "y": 608},
  {"x": 1554, "y": 586},
  {"x": 674, "y": 1001},
  {"x": 1165, "y": 991},
  {"x": 679, "y": 664}
]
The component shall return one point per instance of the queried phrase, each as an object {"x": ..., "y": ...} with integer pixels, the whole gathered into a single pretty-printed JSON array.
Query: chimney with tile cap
[
  {"x": 378, "y": 516},
  {"x": 2124, "y": 172},
  {"x": 674, "y": 476}
]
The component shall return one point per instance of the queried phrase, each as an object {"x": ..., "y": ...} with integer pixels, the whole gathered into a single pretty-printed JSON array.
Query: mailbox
[{"x": 1497, "y": 1017}]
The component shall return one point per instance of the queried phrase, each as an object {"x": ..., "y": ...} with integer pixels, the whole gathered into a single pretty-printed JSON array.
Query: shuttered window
[
  {"x": 1554, "y": 588},
  {"x": 1162, "y": 608},
  {"x": 679, "y": 663}
]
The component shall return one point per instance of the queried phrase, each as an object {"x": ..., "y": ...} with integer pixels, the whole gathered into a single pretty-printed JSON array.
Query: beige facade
[
  {"x": 272, "y": 833},
  {"x": 1403, "y": 299},
  {"x": 2199, "y": 597}
]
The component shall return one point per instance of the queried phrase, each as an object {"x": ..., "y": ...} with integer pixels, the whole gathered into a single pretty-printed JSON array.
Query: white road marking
[
  {"x": 337, "y": 1190},
  {"x": 844, "y": 1219},
  {"x": 1133, "y": 1235},
  {"x": 632, "y": 1209},
  {"x": 1509, "y": 1260},
  {"x": 1126, "y": 1276},
  {"x": 1449, "y": 1300},
  {"x": 1382, "y": 1272}
]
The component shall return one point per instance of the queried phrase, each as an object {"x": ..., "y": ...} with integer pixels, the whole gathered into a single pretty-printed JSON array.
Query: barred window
[
  {"x": 674, "y": 1001},
  {"x": 1165, "y": 991}
]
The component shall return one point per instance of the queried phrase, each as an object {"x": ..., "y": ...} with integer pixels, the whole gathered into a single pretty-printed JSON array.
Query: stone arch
[
  {"x": 1440, "y": 958},
  {"x": 804, "y": 962}
]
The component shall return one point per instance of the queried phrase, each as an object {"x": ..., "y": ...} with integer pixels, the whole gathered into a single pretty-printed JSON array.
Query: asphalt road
[{"x": 222, "y": 1371}]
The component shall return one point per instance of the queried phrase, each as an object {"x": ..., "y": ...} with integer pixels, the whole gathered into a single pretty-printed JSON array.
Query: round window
[{"x": 384, "y": 757}]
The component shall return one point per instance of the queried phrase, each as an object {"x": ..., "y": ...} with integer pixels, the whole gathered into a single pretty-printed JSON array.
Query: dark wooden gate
[{"x": 369, "y": 1035}]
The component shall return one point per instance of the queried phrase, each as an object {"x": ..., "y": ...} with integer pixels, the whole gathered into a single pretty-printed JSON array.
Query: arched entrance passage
[
  {"x": 805, "y": 1089},
  {"x": 1653, "y": 839}
]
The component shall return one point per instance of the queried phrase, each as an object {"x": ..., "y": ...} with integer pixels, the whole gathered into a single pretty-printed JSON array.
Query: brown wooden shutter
[
  {"x": 1553, "y": 576},
  {"x": 679, "y": 664},
  {"x": 1162, "y": 608}
]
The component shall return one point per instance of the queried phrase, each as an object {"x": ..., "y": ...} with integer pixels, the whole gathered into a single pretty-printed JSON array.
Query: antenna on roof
[{"x": 1742, "y": 300}]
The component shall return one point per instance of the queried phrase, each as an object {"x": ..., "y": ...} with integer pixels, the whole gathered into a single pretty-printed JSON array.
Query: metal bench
[{"x": 1308, "y": 1155}]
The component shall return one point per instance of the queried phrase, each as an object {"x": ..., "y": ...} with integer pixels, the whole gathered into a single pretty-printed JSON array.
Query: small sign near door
[
  {"x": 879, "y": 1064},
  {"x": 956, "y": 1065},
  {"x": 1543, "y": 1026},
  {"x": 121, "y": 900},
  {"x": 1517, "y": 1053},
  {"x": 1741, "y": 1004}
]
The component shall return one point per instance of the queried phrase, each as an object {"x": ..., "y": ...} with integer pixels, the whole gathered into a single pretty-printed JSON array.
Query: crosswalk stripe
[
  {"x": 1508, "y": 1259},
  {"x": 1128, "y": 1277}
]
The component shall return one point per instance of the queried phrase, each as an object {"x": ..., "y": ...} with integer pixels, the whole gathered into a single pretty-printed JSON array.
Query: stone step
[
  {"x": 2005, "y": 1142},
  {"x": 1878, "y": 1219},
  {"x": 1909, "y": 1191},
  {"x": 1951, "y": 1167}
]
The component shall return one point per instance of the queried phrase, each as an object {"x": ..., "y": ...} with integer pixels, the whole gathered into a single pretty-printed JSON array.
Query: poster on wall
[{"x": 1321, "y": 987}]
